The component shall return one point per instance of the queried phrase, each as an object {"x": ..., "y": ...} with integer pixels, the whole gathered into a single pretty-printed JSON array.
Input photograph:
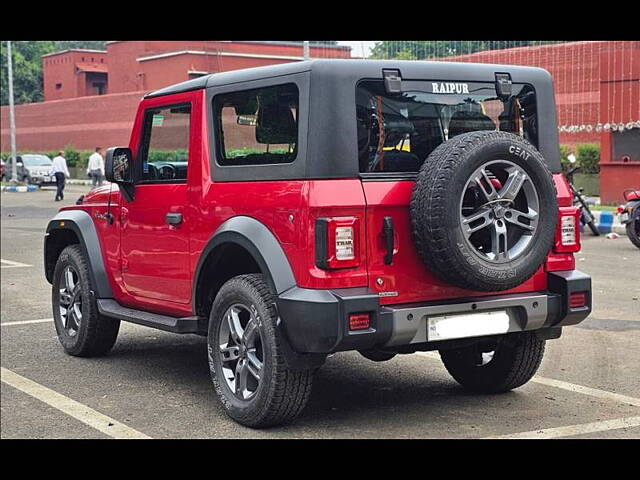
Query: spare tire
[{"x": 484, "y": 211}]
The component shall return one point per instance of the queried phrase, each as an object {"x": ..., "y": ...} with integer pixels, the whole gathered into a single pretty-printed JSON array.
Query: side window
[
  {"x": 257, "y": 127},
  {"x": 164, "y": 150}
]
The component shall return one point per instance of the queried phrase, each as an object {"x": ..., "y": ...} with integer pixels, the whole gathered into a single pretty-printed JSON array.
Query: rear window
[
  {"x": 396, "y": 133},
  {"x": 257, "y": 127}
]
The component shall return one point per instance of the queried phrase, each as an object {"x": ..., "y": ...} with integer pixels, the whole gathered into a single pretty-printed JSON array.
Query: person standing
[
  {"x": 60, "y": 170},
  {"x": 95, "y": 167}
]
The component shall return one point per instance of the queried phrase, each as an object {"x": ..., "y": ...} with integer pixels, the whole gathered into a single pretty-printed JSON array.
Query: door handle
[
  {"x": 387, "y": 232},
  {"x": 173, "y": 218}
]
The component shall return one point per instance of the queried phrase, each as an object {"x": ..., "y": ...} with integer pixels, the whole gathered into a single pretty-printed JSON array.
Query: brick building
[{"x": 91, "y": 96}]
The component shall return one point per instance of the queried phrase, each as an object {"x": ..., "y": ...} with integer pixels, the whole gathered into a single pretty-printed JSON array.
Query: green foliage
[
  {"x": 565, "y": 150},
  {"x": 423, "y": 50},
  {"x": 170, "y": 156},
  {"x": 72, "y": 156},
  {"x": 587, "y": 157},
  {"x": 27, "y": 67}
]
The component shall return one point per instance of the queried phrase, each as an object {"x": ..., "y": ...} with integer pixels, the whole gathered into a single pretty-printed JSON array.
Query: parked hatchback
[{"x": 33, "y": 169}]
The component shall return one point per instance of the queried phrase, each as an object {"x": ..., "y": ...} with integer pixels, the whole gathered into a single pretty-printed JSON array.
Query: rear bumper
[{"x": 316, "y": 321}]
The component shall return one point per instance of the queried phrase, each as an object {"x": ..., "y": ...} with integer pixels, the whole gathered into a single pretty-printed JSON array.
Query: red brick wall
[{"x": 83, "y": 123}]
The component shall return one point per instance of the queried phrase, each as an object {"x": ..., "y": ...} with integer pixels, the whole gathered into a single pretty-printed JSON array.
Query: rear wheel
[
  {"x": 81, "y": 329},
  {"x": 496, "y": 367},
  {"x": 248, "y": 369},
  {"x": 588, "y": 218}
]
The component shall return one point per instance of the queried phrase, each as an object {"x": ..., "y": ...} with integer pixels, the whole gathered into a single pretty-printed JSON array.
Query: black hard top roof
[{"x": 410, "y": 69}]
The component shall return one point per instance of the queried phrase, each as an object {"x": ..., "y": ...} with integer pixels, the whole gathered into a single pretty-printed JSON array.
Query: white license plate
[
  {"x": 47, "y": 179},
  {"x": 624, "y": 217},
  {"x": 446, "y": 327}
]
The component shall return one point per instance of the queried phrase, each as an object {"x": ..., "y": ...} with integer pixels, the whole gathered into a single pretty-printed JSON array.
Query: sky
[{"x": 359, "y": 48}]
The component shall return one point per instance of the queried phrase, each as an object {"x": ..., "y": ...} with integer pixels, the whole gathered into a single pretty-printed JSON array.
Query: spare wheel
[{"x": 484, "y": 211}]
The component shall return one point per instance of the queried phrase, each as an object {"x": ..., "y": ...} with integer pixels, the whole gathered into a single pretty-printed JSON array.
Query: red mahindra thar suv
[{"x": 293, "y": 211}]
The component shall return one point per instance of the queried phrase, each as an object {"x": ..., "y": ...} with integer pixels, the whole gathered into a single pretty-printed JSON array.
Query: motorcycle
[
  {"x": 586, "y": 215},
  {"x": 630, "y": 215}
]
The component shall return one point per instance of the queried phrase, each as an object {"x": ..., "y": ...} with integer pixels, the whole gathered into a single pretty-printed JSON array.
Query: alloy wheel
[
  {"x": 241, "y": 352},
  {"x": 70, "y": 301},
  {"x": 499, "y": 211}
]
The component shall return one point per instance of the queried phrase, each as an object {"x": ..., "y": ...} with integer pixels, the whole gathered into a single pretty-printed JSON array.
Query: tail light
[
  {"x": 337, "y": 242},
  {"x": 577, "y": 299},
  {"x": 568, "y": 230},
  {"x": 358, "y": 321}
]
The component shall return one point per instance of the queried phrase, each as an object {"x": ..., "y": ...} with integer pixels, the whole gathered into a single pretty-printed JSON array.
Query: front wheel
[
  {"x": 81, "y": 329},
  {"x": 633, "y": 229},
  {"x": 248, "y": 369},
  {"x": 498, "y": 366}
]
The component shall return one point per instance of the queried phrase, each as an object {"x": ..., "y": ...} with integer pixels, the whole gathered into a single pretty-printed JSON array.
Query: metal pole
[
  {"x": 305, "y": 49},
  {"x": 12, "y": 120}
]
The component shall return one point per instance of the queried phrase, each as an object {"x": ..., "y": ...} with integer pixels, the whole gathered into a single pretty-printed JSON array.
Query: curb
[
  {"x": 78, "y": 182},
  {"x": 19, "y": 188},
  {"x": 607, "y": 222}
]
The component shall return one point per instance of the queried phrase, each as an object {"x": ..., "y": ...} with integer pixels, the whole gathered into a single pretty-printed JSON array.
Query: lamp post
[{"x": 12, "y": 120}]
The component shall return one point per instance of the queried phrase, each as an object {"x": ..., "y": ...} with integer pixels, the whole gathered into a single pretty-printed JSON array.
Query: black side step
[{"x": 111, "y": 308}]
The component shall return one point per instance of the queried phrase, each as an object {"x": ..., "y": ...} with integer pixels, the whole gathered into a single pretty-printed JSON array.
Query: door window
[{"x": 164, "y": 151}]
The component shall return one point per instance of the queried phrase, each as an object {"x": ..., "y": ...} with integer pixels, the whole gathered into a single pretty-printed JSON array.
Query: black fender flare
[
  {"x": 80, "y": 223},
  {"x": 261, "y": 244}
]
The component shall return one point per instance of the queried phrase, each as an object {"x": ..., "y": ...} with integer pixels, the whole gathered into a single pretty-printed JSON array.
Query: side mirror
[{"x": 118, "y": 165}]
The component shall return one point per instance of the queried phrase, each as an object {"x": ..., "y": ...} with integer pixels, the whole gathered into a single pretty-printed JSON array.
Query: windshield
[
  {"x": 36, "y": 161},
  {"x": 397, "y": 132}
]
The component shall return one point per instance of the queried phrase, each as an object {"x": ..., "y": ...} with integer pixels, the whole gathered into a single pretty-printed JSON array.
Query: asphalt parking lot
[{"x": 156, "y": 384}]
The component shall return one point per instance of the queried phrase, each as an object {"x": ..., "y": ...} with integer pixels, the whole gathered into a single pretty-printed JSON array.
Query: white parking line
[
  {"x": 10, "y": 264},
  {"x": 594, "y": 392},
  {"x": 572, "y": 430},
  {"x": 26, "y": 322},
  {"x": 81, "y": 412},
  {"x": 571, "y": 387}
]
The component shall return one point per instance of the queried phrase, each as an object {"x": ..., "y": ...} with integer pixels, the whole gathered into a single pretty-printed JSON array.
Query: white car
[{"x": 33, "y": 169}]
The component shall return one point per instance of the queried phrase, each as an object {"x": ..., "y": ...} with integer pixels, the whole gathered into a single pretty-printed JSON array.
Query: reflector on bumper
[{"x": 467, "y": 325}]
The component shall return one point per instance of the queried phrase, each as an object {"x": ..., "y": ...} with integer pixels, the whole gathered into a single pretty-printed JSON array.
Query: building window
[
  {"x": 58, "y": 86},
  {"x": 100, "y": 87}
]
